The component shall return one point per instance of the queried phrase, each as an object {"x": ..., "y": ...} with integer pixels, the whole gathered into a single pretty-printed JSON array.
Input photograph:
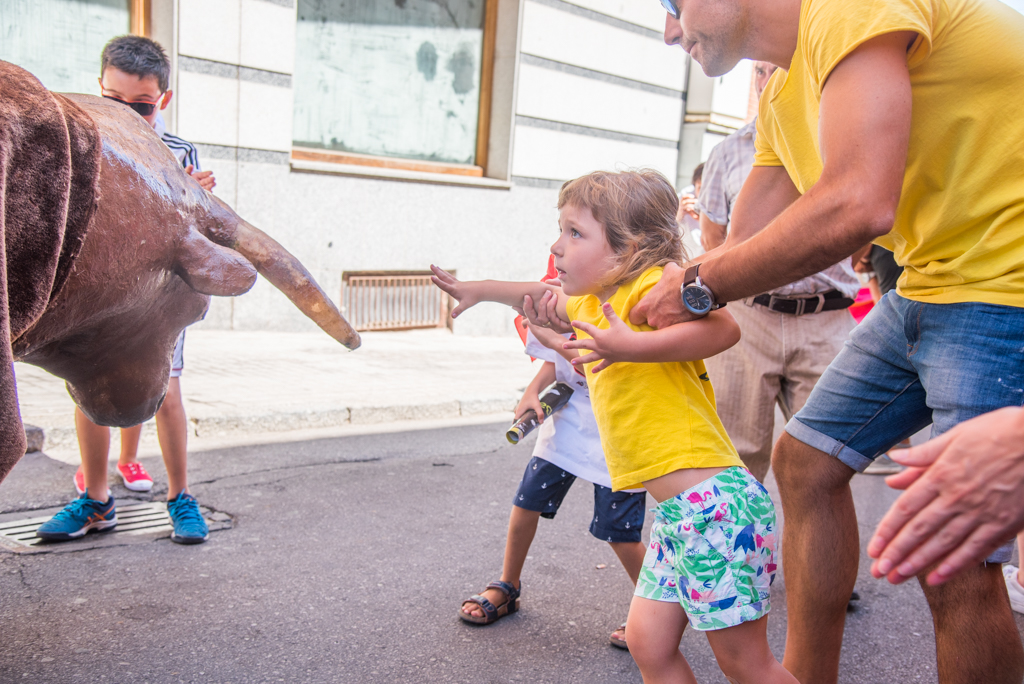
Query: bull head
[{"x": 156, "y": 248}]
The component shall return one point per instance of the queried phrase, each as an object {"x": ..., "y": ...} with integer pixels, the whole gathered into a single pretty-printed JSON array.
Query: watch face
[{"x": 697, "y": 300}]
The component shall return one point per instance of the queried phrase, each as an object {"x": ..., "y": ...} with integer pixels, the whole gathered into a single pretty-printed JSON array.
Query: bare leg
[
  {"x": 744, "y": 656},
  {"x": 130, "y": 445},
  {"x": 655, "y": 629},
  {"x": 631, "y": 555},
  {"x": 522, "y": 526},
  {"x": 93, "y": 443},
  {"x": 172, "y": 431},
  {"x": 976, "y": 638},
  {"x": 1020, "y": 549},
  {"x": 820, "y": 550}
]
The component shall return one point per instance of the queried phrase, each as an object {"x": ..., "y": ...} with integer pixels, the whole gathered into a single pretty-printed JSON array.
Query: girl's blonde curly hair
[{"x": 638, "y": 212}]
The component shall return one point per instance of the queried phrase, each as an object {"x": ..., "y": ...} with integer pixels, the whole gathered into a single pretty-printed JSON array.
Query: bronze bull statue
[{"x": 109, "y": 250}]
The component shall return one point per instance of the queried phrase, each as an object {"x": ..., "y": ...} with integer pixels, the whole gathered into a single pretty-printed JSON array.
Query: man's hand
[
  {"x": 964, "y": 498},
  {"x": 663, "y": 306},
  {"x": 544, "y": 313},
  {"x": 462, "y": 292},
  {"x": 205, "y": 178},
  {"x": 607, "y": 346},
  {"x": 546, "y": 336}
]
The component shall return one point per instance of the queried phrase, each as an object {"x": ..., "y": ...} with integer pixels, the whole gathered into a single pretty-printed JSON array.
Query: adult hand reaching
[
  {"x": 544, "y": 312},
  {"x": 663, "y": 306},
  {"x": 964, "y": 498}
]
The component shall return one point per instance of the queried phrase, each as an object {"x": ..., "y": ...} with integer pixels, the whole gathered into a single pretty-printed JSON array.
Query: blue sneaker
[
  {"x": 77, "y": 518},
  {"x": 189, "y": 525}
]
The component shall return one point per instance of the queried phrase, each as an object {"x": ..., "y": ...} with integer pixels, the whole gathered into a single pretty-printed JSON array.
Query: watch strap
[{"x": 690, "y": 276}]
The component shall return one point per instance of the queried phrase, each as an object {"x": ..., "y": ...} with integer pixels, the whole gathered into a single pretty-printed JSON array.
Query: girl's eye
[{"x": 574, "y": 233}]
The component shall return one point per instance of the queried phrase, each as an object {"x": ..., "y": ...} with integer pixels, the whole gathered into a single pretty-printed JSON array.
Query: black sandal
[
  {"x": 619, "y": 643},
  {"x": 492, "y": 614}
]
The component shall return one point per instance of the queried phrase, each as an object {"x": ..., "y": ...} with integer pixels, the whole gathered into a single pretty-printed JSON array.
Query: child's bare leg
[
  {"x": 130, "y": 445},
  {"x": 522, "y": 526},
  {"x": 172, "y": 432},
  {"x": 655, "y": 629},
  {"x": 631, "y": 555},
  {"x": 744, "y": 656},
  {"x": 93, "y": 443}
]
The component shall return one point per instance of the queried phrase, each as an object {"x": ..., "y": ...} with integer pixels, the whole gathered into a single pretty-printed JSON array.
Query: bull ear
[{"x": 211, "y": 269}]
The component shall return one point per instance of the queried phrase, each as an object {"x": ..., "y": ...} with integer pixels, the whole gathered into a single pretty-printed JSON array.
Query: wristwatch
[{"x": 697, "y": 298}]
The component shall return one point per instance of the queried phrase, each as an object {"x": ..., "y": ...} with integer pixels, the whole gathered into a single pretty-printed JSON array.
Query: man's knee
[
  {"x": 975, "y": 591},
  {"x": 799, "y": 466}
]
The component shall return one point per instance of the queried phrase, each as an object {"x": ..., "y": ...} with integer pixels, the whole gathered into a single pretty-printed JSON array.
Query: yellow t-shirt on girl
[{"x": 654, "y": 418}]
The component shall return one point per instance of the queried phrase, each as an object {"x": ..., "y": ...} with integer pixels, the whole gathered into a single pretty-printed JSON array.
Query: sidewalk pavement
[{"x": 241, "y": 386}]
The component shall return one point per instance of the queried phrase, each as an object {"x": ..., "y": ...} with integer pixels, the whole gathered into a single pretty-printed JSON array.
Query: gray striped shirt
[{"x": 182, "y": 149}]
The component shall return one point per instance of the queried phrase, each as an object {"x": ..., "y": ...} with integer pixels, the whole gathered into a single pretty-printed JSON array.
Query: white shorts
[{"x": 178, "y": 356}]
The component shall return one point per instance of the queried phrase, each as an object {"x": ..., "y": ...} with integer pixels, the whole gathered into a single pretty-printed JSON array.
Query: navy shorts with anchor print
[{"x": 618, "y": 516}]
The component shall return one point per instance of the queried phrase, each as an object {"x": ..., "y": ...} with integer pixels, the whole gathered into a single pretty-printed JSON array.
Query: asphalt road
[{"x": 346, "y": 562}]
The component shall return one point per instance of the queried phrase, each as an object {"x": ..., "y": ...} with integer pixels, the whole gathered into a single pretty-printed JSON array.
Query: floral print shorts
[{"x": 713, "y": 550}]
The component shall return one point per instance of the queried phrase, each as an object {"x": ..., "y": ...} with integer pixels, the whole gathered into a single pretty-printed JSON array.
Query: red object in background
[
  {"x": 550, "y": 275},
  {"x": 862, "y": 304}
]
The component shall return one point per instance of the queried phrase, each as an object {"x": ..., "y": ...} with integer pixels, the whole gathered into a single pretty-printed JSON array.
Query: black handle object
[{"x": 554, "y": 397}]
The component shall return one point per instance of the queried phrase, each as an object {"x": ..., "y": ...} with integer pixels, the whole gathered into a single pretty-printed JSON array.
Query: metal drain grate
[{"x": 135, "y": 518}]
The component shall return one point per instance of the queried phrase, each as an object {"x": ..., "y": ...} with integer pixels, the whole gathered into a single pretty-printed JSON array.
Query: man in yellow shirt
[{"x": 894, "y": 121}]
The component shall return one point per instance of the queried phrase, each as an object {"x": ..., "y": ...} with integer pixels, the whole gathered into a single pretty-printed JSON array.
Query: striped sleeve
[{"x": 183, "y": 150}]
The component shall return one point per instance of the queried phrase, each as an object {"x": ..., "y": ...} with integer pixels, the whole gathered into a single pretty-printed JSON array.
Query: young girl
[{"x": 711, "y": 558}]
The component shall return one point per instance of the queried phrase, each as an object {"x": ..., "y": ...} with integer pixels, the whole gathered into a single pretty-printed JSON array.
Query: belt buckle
[
  {"x": 771, "y": 303},
  {"x": 801, "y": 304}
]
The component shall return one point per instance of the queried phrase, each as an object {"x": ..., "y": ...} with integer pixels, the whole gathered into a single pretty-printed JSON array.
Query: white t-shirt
[{"x": 569, "y": 437}]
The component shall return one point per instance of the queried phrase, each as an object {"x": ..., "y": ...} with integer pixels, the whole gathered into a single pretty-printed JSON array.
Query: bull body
[{"x": 111, "y": 249}]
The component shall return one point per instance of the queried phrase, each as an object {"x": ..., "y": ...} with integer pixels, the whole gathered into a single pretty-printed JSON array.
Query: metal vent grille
[
  {"x": 138, "y": 517},
  {"x": 394, "y": 300}
]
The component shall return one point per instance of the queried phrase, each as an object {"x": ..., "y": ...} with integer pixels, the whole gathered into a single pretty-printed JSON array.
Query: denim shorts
[
  {"x": 618, "y": 516},
  {"x": 910, "y": 364}
]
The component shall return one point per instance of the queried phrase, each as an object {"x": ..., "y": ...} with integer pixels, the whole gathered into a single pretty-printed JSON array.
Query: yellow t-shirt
[
  {"x": 654, "y": 418},
  {"x": 959, "y": 229}
]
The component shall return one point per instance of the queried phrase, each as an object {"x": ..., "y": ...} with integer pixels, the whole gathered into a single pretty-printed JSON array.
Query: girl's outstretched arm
[
  {"x": 473, "y": 292},
  {"x": 688, "y": 341}
]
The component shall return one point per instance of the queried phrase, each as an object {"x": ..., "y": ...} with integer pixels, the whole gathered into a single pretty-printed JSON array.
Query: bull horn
[{"x": 284, "y": 272}]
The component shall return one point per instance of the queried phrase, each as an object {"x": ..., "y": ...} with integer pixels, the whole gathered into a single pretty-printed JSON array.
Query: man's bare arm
[
  {"x": 711, "y": 234},
  {"x": 864, "y": 132},
  {"x": 767, "y": 191}
]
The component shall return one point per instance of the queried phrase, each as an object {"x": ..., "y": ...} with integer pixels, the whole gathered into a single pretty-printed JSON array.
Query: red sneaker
[
  {"x": 80, "y": 482},
  {"x": 135, "y": 477}
]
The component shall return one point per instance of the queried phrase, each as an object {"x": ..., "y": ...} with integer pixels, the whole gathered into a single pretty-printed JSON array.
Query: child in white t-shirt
[{"x": 568, "y": 446}]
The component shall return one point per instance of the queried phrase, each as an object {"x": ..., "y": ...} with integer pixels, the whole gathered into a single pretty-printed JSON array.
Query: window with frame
[
  {"x": 403, "y": 83},
  {"x": 60, "y": 41}
]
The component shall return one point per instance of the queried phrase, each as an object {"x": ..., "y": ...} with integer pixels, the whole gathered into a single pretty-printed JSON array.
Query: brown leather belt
[{"x": 798, "y": 306}]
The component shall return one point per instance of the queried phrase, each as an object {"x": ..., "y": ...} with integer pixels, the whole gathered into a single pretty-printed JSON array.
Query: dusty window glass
[
  {"x": 60, "y": 41},
  {"x": 399, "y": 78}
]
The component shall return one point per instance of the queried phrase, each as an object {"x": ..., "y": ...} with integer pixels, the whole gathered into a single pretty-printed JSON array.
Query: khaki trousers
[{"x": 778, "y": 360}]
